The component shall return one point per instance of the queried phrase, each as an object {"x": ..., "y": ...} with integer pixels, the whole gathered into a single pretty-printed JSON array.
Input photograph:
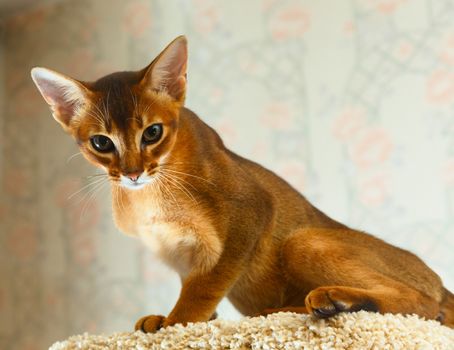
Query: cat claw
[{"x": 325, "y": 312}]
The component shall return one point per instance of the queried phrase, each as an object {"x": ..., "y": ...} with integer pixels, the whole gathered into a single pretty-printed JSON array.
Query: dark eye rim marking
[
  {"x": 149, "y": 138},
  {"x": 102, "y": 143}
]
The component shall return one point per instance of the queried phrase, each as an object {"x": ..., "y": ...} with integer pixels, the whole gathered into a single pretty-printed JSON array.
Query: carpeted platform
[{"x": 361, "y": 330}]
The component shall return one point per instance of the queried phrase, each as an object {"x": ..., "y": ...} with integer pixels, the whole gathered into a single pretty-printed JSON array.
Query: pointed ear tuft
[
  {"x": 167, "y": 73},
  {"x": 63, "y": 94}
]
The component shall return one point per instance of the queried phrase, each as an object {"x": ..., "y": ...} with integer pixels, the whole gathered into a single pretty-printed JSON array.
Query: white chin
[
  {"x": 141, "y": 182},
  {"x": 134, "y": 185}
]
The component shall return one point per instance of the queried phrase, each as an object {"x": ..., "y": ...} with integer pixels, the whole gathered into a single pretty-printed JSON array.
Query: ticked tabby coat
[{"x": 227, "y": 225}]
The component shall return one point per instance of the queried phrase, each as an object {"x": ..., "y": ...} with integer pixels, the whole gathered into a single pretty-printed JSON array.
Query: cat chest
[
  {"x": 187, "y": 242},
  {"x": 174, "y": 243}
]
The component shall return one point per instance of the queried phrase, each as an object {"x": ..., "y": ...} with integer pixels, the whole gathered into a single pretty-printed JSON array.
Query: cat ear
[
  {"x": 63, "y": 94},
  {"x": 167, "y": 73}
]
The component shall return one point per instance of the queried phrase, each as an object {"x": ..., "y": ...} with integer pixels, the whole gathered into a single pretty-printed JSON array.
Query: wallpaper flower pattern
[{"x": 351, "y": 101}]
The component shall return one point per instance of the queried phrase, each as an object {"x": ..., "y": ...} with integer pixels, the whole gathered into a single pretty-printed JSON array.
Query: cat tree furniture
[{"x": 360, "y": 330}]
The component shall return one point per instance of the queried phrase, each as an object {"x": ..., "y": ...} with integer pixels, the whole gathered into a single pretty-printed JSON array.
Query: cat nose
[{"x": 134, "y": 176}]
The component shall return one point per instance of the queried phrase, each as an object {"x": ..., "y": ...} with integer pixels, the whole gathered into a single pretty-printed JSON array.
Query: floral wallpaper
[{"x": 350, "y": 101}]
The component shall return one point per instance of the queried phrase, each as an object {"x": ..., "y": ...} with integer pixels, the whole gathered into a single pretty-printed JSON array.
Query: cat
[{"x": 228, "y": 226}]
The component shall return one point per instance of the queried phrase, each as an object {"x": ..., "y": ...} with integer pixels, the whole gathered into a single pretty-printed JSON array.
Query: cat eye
[
  {"x": 152, "y": 134},
  {"x": 102, "y": 143}
]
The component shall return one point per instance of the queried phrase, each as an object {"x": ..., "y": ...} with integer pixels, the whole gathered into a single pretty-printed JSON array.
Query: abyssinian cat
[{"x": 228, "y": 226}]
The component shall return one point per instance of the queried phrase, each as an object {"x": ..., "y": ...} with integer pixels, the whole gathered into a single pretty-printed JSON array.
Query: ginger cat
[{"x": 228, "y": 226}]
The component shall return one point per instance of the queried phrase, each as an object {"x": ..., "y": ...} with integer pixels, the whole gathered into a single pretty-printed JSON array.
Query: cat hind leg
[{"x": 336, "y": 274}]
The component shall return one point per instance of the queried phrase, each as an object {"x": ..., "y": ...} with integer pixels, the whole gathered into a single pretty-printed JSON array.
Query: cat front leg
[{"x": 199, "y": 296}]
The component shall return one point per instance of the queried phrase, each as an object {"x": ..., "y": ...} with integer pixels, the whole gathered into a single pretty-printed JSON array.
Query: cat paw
[
  {"x": 325, "y": 302},
  {"x": 319, "y": 303},
  {"x": 150, "y": 324}
]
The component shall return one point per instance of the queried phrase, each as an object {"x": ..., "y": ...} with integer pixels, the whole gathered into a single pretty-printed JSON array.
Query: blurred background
[{"x": 351, "y": 101}]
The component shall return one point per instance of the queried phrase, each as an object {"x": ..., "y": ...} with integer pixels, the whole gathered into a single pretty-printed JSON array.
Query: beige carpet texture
[{"x": 361, "y": 330}]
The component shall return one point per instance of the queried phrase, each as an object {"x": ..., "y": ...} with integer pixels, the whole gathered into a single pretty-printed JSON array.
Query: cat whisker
[
  {"x": 89, "y": 191},
  {"x": 95, "y": 182},
  {"x": 102, "y": 115},
  {"x": 162, "y": 183},
  {"x": 117, "y": 191},
  {"x": 133, "y": 118},
  {"x": 181, "y": 180},
  {"x": 106, "y": 106},
  {"x": 176, "y": 163},
  {"x": 134, "y": 100},
  {"x": 122, "y": 203},
  {"x": 96, "y": 175},
  {"x": 175, "y": 182},
  {"x": 93, "y": 191},
  {"x": 97, "y": 115},
  {"x": 94, "y": 115},
  {"x": 119, "y": 198},
  {"x": 147, "y": 106},
  {"x": 162, "y": 187},
  {"x": 187, "y": 174},
  {"x": 73, "y": 156}
]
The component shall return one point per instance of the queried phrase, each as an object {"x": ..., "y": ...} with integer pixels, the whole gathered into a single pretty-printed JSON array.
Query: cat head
[{"x": 125, "y": 122}]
